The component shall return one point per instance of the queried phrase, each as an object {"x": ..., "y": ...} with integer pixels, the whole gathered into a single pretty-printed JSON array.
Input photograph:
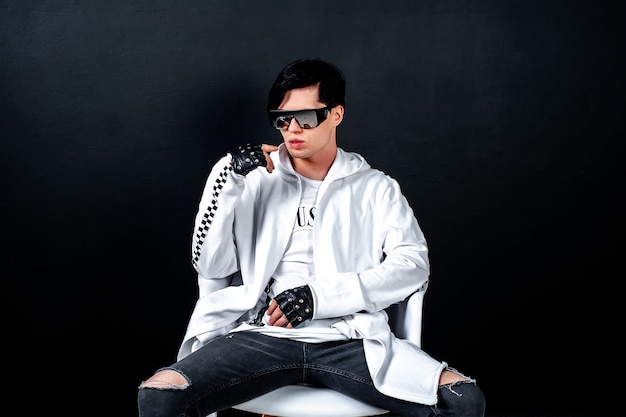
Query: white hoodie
[{"x": 369, "y": 253}]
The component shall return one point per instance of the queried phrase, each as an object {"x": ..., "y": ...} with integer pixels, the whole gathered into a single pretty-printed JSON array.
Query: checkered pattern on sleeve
[{"x": 209, "y": 213}]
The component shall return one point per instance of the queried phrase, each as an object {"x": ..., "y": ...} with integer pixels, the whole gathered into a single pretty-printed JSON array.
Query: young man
[{"x": 296, "y": 262}]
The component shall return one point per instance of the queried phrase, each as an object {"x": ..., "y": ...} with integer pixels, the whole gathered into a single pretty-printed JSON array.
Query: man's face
[{"x": 310, "y": 143}]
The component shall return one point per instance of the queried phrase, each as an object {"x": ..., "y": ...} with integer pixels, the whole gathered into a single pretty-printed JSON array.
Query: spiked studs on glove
[
  {"x": 296, "y": 304},
  {"x": 247, "y": 157}
]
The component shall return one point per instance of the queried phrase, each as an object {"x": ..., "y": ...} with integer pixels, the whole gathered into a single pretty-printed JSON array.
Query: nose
[{"x": 294, "y": 126}]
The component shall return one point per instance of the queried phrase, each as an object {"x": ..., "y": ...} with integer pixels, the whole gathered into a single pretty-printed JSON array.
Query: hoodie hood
[{"x": 344, "y": 165}]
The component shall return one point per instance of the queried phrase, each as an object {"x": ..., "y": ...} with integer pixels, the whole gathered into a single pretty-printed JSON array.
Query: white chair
[{"x": 313, "y": 401}]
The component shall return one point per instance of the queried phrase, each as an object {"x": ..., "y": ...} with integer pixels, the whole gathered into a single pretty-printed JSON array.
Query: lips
[{"x": 296, "y": 143}]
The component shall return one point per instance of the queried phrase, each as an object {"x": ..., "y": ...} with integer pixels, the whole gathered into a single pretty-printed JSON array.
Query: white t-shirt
[{"x": 297, "y": 269}]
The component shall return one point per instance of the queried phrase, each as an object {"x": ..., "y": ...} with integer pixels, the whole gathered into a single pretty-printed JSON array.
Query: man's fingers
[
  {"x": 272, "y": 307},
  {"x": 274, "y": 312},
  {"x": 267, "y": 149},
  {"x": 277, "y": 318},
  {"x": 282, "y": 322}
]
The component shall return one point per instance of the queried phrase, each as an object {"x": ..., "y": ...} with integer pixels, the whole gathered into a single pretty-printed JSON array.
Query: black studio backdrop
[{"x": 502, "y": 120}]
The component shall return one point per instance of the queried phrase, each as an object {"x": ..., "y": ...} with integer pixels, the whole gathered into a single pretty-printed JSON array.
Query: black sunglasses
[{"x": 307, "y": 119}]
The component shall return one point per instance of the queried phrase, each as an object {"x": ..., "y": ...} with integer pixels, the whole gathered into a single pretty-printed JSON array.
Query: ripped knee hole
[{"x": 166, "y": 379}]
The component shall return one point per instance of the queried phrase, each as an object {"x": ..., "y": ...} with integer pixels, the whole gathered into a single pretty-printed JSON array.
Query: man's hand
[
  {"x": 267, "y": 149},
  {"x": 277, "y": 318},
  {"x": 247, "y": 158},
  {"x": 291, "y": 308}
]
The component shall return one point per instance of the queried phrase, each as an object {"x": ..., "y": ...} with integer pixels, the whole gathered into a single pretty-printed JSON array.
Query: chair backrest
[
  {"x": 405, "y": 318},
  {"x": 303, "y": 400}
]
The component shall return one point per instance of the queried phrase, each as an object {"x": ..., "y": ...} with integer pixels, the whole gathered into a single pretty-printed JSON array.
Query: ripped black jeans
[{"x": 237, "y": 367}]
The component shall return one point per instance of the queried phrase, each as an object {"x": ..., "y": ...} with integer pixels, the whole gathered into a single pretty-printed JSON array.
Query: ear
[{"x": 336, "y": 115}]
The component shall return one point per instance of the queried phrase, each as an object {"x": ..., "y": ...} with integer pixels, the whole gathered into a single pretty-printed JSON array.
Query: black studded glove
[
  {"x": 296, "y": 304},
  {"x": 247, "y": 157}
]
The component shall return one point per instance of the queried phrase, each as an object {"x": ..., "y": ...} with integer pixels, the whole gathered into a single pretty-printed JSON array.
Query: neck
[{"x": 314, "y": 168}]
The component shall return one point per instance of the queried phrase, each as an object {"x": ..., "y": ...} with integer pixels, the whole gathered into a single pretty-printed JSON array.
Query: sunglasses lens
[
  {"x": 282, "y": 122},
  {"x": 307, "y": 119}
]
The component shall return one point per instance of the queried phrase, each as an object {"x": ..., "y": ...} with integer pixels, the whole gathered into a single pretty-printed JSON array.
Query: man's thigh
[{"x": 241, "y": 355}]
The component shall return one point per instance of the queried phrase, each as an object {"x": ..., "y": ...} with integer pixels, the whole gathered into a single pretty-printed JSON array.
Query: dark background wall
[{"x": 502, "y": 120}]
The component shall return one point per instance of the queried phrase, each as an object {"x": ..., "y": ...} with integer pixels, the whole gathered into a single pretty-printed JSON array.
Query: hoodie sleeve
[
  {"x": 213, "y": 252},
  {"x": 215, "y": 259},
  {"x": 382, "y": 262}
]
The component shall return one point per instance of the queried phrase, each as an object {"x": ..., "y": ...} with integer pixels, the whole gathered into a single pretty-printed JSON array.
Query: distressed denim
[{"x": 237, "y": 367}]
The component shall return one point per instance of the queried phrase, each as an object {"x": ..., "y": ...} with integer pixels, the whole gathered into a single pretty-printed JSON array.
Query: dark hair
[{"x": 305, "y": 73}]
